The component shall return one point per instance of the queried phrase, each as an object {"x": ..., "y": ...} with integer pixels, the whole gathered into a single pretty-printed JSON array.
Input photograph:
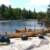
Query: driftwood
[{"x": 29, "y": 32}]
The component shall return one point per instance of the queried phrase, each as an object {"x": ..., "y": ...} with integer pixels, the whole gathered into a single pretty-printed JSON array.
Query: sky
[{"x": 39, "y": 5}]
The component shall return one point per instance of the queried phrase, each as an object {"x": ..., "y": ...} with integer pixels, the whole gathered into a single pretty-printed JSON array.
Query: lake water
[{"x": 12, "y": 25}]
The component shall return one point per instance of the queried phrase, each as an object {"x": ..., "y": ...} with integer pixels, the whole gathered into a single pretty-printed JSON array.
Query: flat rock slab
[{"x": 18, "y": 44}]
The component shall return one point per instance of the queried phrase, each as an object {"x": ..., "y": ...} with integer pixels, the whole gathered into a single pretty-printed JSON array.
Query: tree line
[{"x": 9, "y": 13}]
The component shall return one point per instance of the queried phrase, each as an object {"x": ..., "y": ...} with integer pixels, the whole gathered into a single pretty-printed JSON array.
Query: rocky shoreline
[{"x": 29, "y": 32}]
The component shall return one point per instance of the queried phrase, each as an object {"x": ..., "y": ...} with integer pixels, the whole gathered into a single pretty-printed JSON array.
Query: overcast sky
[{"x": 39, "y": 5}]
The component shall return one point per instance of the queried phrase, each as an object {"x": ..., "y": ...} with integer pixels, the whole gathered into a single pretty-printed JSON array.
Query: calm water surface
[{"x": 12, "y": 25}]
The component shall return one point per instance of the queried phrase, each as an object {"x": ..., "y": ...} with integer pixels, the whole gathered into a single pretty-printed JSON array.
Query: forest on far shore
[{"x": 9, "y": 13}]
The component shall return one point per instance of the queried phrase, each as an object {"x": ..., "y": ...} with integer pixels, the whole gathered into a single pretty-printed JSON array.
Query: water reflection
[{"x": 11, "y": 26}]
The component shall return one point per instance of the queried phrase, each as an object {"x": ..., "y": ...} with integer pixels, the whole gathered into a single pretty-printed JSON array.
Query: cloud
[
  {"x": 5, "y": 2},
  {"x": 28, "y": 4},
  {"x": 37, "y": 4}
]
